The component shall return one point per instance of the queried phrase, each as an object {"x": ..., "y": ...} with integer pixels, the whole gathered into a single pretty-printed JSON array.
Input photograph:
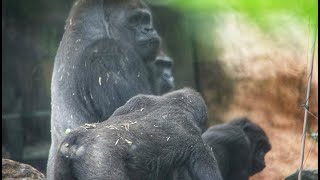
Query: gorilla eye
[
  {"x": 260, "y": 145},
  {"x": 163, "y": 63},
  {"x": 139, "y": 17},
  {"x": 134, "y": 19},
  {"x": 146, "y": 19}
]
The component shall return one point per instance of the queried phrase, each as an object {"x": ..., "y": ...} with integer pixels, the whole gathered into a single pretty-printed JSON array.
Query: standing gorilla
[
  {"x": 239, "y": 147},
  {"x": 103, "y": 60},
  {"x": 148, "y": 138}
]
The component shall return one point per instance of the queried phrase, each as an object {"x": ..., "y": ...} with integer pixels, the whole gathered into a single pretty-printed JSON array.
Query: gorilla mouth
[
  {"x": 258, "y": 166},
  {"x": 152, "y": 42},
  {"x": 169, "y": 80},
  {"x": 149, "y": 48},
  {"x": 151, "y": 45}
]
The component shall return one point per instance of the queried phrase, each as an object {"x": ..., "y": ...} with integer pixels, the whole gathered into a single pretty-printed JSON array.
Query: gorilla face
[
  {"x": 135, "y": 28},
  {"x": 146, "y": 37},
  {"x": 165, "y": 80},
  {"x": 259, "y": 144},
  {"x": 239, "y": 146},
  {"x": 260, "y": 151}
]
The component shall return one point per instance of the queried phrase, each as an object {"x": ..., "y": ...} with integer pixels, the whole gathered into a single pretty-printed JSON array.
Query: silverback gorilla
[
  {"x": 239, "y": 147},
  {"x": 146, "y": 139},
  {"x": 103, "y": 60}
]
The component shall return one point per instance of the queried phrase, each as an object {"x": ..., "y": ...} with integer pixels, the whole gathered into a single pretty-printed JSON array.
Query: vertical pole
[{"x": 307, "y": 104}]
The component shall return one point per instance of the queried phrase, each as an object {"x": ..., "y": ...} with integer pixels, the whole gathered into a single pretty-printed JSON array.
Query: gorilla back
[
  {"x": 148, "y": 138},
  {"x": 101, "y": 62}
]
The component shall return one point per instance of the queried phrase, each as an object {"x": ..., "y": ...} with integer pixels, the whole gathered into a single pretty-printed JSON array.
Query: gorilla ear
[
  {"x": 246, "y": 128},
  {"x": 244, "y": 123}
]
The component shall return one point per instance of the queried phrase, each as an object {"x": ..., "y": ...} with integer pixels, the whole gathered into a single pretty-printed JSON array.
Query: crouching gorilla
[
  {"x": 145, "y": 139},
  {"x": 239, "y": 148},
  {"x": 103, "y": 60}
]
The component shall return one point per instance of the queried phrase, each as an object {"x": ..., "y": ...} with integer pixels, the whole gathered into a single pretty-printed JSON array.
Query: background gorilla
[
  {"x": 239, "y": 147},
  {"x": 147, "y": 138},
  {"x": 102, "y": 61},
  {"x": 163, "y": 78}
]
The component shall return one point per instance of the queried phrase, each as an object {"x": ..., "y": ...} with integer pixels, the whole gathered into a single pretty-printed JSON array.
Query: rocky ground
[{"x": 16, "y": 170}]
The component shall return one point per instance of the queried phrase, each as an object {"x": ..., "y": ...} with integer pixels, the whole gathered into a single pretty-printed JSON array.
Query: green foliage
[{"x": 254, "y": 9}]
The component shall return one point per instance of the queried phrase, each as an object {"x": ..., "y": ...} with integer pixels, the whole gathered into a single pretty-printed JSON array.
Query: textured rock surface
[{"x": 15, "y": 170}]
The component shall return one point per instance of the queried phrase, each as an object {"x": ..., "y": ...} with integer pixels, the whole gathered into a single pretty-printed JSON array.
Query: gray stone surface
[{"x": 15, "y": 170}]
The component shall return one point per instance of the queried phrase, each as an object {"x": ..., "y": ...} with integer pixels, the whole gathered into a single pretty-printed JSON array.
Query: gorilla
[
  {"x": 239, "y": 147},
  {"x": 163, "y": 80},
  {"x": 103, "y": 60},
  {"x": 148, "y": 138}
]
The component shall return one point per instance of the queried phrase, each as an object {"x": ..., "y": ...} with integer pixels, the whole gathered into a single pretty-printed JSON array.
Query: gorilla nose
[
  {"x": 148, "y": 29},
  {"x": 168, "y": 78},
  {"x": 167, "y": 75}
]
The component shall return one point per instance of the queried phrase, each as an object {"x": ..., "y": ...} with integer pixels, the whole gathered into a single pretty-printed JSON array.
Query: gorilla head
[
  {"x": 131, "y": 23},
  {"x": 161, "y": 78},
  {"x": 164, "y": 79},
  {"x": 259, "y": 143},
  {"x": 239, "y": 146}
]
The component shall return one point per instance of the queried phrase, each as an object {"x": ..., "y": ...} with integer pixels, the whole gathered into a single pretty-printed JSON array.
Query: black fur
[
  {"x": 102, "y": 61},
  {"x": 239, "y": 146},
  {"x": 162, "y": 74},
  {"x": 146, "y": 139}
]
